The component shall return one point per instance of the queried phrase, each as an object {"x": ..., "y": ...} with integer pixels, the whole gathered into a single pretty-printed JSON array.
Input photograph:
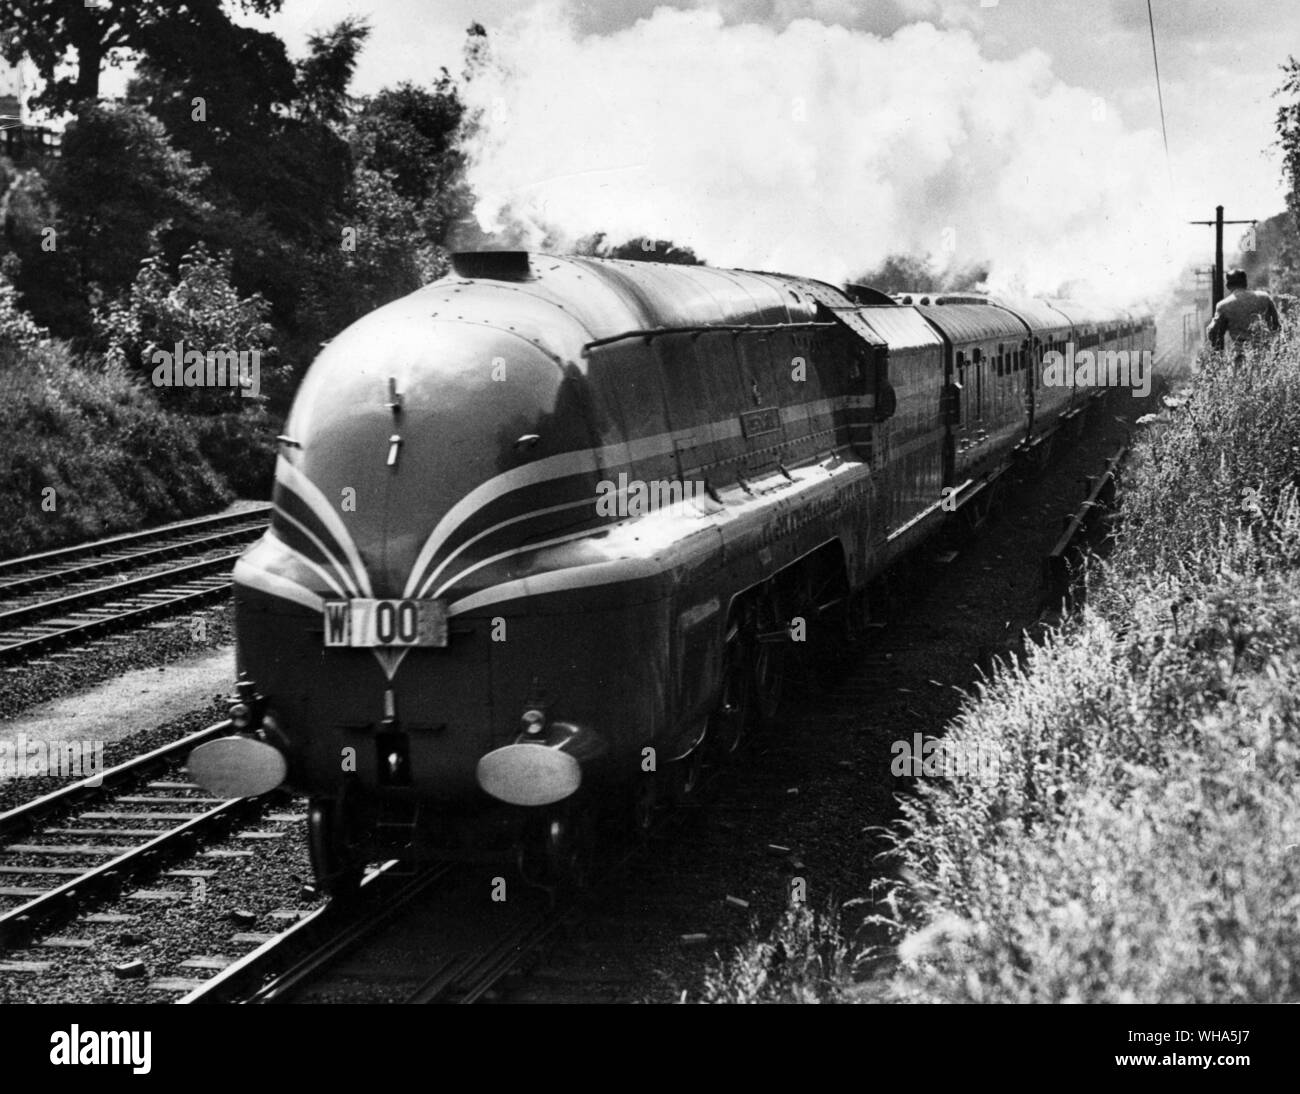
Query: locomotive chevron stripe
[
  {"x": 297, "y": 534},
  {"x": 300, "y": 487},
  {"x": 606, "y": 461},
  {"x": 575, "y": 577},
  {"x": 448, "y": 559},
  {"x": 565, "y": 464},
  {"x": 255, "y": 577}
]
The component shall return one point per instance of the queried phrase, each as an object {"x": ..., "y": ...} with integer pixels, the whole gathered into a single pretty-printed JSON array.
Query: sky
[{"x": 965, "y": 129}]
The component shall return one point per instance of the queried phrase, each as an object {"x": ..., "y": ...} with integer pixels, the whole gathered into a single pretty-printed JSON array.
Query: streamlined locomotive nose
[{"x": 407, "y": 486}]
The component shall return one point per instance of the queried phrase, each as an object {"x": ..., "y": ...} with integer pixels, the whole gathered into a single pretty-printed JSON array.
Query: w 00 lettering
[{"x": 375, "y": 624}]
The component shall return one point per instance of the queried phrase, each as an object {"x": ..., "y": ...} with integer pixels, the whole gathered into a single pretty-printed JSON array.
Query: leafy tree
[
  {"x": 46, "y": 276},
  {"x": 17, "y": 329},
  {"x": 410, "y": 134},
  {"x": 385, "y": 254},
  {"x": 91, "y": 33},
  {"x": 1288, "y": 134},
  {"x": 1287, "y": 265},
  {"x": 638, "y": 249},
  {"x": 117, "y": 186},
  {"x": 654, "y": 250},
  {"x": 280, "y": 172},
  {"x": 200, "y": 308},
  {"x": 324, "y": 76},
  {"x": 899, "y": 273}
]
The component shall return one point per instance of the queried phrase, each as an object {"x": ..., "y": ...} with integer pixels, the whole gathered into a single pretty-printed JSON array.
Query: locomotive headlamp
[{"x": 534, "y": 722}]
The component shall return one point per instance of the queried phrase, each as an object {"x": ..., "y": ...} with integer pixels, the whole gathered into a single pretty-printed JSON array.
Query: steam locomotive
[{"x": 550, "y": 528}]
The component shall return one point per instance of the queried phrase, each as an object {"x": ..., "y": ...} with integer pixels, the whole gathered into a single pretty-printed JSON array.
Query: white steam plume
[{"x": 816, "y": 150}]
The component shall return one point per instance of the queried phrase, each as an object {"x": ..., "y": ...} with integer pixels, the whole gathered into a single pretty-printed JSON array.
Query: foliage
[
  {"x": 240, "y": 446},
  {"x": 804, "y": 961},
  {"x": 52, "y": 33},
  {"x": 384, "y": 255},
  {"x": 1287, "y": 126},
  {"x": 17, "y": 329},
  {"x": 638, "y": 249},
  {"x": 113, "y": 461},
  {"x": 902, "y": 273},
  {"x": 410, "y": 134},
  {"x": 199, "y": 308},
  {"x": 324, "y": 75},
  {"x": 46, "y": 276},
  {"x": 117, "y": 186},
  {"x": 277, "y": 177}
]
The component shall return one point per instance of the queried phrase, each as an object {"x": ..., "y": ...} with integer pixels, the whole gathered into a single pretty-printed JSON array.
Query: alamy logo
[
  {"x": 77, "y": 1046},
  {"x": 634, "y": 498},
  {"x": 940, "y": 758},
  {"x": 24, "y": 758},
  {"x": 1105, "y": 368},
  {"x": 180, "y": 367}
]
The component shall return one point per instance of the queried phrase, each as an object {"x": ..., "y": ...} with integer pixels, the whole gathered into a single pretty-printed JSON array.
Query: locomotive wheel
[
  {"x": 835, "y": 621},
  {"x": 336, "y": 874}
]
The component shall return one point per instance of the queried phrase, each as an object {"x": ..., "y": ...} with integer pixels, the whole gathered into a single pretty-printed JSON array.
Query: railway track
[
  {"x": 188, "y": 569},
  {"x": 33, "y": 572},
  {"x": 304, "y": 950},
  {"x": 82, "y": 843}
]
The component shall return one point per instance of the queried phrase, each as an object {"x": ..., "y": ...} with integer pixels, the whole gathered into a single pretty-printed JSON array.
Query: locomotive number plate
[{"x": 385, "y": 623}]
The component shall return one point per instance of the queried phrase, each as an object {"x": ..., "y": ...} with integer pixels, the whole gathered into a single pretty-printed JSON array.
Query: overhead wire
[{"x": 1160, "y": 95}]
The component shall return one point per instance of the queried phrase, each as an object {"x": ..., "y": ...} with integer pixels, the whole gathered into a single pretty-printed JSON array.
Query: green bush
[
  {"x": 18, "y": 331},
  {"x": 199, "y": 308},
  {"x": 241, "y": 447},
  {"x": 90, "y": 453},
  {"x": 805, "y": 961}
]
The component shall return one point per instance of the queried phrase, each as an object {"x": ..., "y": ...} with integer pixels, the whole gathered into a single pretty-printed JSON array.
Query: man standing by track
[{"x": 1241, "y": 314}]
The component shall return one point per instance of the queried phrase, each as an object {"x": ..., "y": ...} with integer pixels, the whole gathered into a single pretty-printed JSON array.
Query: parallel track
[
  {"x": 30, "y": 572},
  {"x": 102, "y": 600},
  {"x": 111, "y": 853}
]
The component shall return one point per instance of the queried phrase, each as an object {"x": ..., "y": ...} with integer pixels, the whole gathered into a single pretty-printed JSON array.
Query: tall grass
[{"x": 1141, "y": 839}]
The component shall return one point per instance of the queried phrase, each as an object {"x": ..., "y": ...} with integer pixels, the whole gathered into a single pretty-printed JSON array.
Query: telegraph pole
[{"x": 1216, "y": 285}]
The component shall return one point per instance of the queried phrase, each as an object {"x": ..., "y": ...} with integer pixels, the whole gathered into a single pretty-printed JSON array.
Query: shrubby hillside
[{"x": 88, "y": 452}]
